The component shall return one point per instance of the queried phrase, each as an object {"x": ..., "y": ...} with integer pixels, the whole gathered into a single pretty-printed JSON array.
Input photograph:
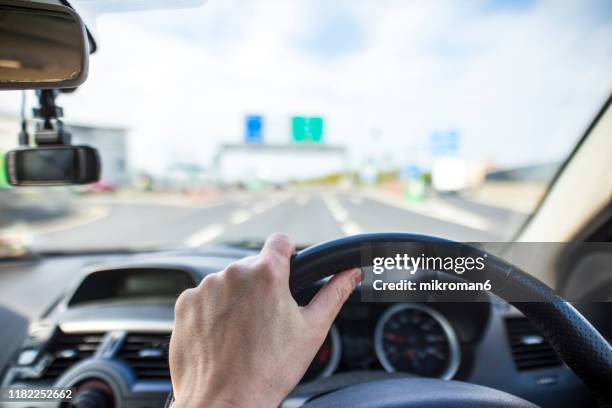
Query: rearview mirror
[
  {"x": 43, "y": 46},
  {"x": 52, "y": 166}
]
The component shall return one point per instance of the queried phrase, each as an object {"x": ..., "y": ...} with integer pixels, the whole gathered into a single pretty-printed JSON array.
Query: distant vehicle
[
  {"x": 101, "y": 187},
  {"x": 451, "y": 175}
]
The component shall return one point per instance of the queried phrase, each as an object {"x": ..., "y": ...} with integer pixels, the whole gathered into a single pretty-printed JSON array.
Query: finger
[
  {"x": 276, "y": 256},
  {"x": 278, "y": 245},
  {"x": 326, "y": 304}
]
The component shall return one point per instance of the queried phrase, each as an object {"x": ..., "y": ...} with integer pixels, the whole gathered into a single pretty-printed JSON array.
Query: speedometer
[{"x": 417, "y": 339}]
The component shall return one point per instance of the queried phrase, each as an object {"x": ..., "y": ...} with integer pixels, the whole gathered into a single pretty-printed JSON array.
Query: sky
[{"x": 520, "y": 80}]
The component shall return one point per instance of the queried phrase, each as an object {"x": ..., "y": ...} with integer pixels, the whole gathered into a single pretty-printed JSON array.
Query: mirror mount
[{"x": 50, "y": 130}]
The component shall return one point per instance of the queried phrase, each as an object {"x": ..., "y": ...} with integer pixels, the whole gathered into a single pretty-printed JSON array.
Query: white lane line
[
  {"x": 302, "y": 199},
  {"x": 240, "y": 216},
  {"x": 335, "y": 208},
  {"x": 351, "y": 228},
  {"x": 356, "y": 199},
  {"x": 259, "y": 208},
  {"x": 436, "y": 208},
  {"x": 211, "y": 232},
  {"x": 204, "y": 235},
  {"x": 348, "y": 226},
  {"x": 266, "y": 205}
]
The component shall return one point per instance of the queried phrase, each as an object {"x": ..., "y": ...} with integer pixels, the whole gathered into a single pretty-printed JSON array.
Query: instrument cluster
[{"x": 409, "y": 338}]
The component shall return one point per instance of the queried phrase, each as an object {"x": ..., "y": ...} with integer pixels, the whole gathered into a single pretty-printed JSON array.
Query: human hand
[{"x": 240, "y": 340}]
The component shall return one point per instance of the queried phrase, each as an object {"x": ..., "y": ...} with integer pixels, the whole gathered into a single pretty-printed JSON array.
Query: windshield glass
[{"x": 224, "y": 122}]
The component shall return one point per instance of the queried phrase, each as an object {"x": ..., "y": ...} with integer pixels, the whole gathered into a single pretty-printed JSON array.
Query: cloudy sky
[{"x": 519, "y": 79}]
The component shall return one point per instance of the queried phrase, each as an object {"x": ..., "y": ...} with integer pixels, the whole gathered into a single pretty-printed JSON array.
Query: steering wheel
[{"x": 574, "y": 339}]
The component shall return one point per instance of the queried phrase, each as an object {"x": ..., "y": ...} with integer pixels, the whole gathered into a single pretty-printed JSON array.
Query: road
[{"x": 308, "y": 216}]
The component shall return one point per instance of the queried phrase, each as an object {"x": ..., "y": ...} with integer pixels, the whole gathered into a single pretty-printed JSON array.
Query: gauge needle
[
  {"x": 323, "y": 354},
  {"x": 395, "y": 338},
  {"x": 434, "y": 352}
]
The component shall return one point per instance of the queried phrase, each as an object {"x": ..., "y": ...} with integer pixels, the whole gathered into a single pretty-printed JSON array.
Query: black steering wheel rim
[{"x": 573, "y": 337}]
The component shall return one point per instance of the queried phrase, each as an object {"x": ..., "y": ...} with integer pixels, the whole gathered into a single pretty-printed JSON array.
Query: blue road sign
[
  {"x": 411, "y": 172},
  {"x": 253, "y": 129},
  {"x": 444, "y": 143}
]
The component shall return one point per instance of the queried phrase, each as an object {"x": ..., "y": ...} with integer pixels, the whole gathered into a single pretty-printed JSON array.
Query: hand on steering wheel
[{"x": 241, "y": 340}]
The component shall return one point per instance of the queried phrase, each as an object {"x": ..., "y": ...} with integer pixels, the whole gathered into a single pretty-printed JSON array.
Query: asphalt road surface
[{"x": 307, "y": 216}]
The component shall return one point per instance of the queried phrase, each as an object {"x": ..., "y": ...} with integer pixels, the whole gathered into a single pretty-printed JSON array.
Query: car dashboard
[{"x": 109, "y": 332}]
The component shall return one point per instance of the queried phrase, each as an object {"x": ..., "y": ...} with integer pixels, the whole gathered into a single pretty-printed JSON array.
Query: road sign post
[{"x": 444, "y": 143}]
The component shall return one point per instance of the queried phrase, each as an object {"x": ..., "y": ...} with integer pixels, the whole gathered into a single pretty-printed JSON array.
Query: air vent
[
  {"x": 67, "y": 350},
  {"x": 529, "y": 348},
  {"x": 147, "y": 354}
]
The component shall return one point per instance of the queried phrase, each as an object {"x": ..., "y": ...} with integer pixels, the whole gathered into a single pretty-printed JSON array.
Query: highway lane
[
  {"x": 506, "y": 221},
  {"x": 307, "y": 216},
  {"x": 135, "y": 225},
  {"x": 303, "y": 217},
  {"x": 372, "y": 216}
]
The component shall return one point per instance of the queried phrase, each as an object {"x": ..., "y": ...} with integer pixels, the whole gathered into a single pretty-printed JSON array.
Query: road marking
[
  {"x": 335, "y": 208},
  {"x": 265, "y": 206},
  {"x": 259, "y": 208},
  {"x": 436, "y": 208},
  {"x": 348, "y": 226},
  {"x": 204, "y": 235},
  {"x": 240, "y": 216},
  {"x": 302, "y": 199},
  {"x": 356, "y": 199},
  {"x": 213, "y": 231}
]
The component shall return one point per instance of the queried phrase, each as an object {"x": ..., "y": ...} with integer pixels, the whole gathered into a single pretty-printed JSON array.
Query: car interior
[{"x": 84, "y": 310}]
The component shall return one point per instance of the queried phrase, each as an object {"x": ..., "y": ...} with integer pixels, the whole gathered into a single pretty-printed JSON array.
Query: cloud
[
  {"x": 508, "y": 5},
  {"x": 332, "y": 32},
  {"x": 521, "y": 84}
]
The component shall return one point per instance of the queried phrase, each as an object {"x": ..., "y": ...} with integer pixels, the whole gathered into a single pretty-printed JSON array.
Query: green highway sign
[{"x": 307, "y": 129}]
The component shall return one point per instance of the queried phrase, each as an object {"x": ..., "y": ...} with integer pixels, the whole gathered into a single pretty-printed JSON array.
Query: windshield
[{"x": 223, "y": 122}]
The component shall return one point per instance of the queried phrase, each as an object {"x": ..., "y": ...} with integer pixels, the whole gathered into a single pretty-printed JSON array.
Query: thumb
[{"x": 326, "y": 304}]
